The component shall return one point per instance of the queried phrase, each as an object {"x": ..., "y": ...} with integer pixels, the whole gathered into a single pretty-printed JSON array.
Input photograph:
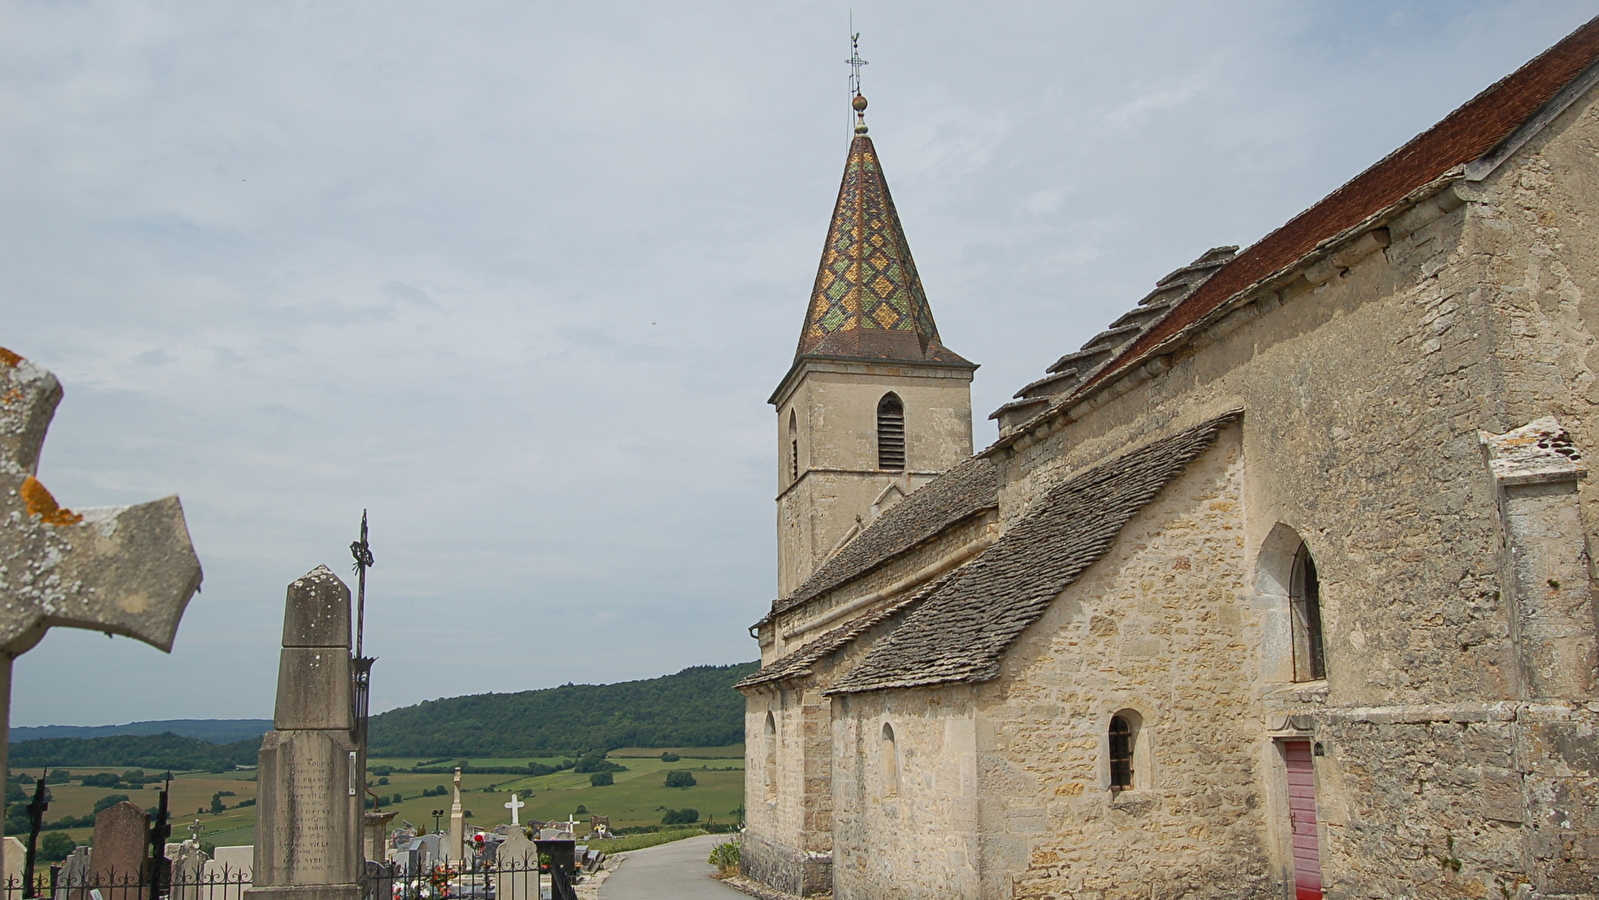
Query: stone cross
[
  {"x": 126, "y": 570},
  {"x": 194, "y": 831},
  {"x": 513, "y": 806}
]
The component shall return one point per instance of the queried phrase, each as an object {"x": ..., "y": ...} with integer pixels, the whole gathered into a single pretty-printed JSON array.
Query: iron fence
[{"x": 521, "y": 879}]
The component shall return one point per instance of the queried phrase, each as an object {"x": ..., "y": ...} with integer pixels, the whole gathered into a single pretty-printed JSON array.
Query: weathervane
[{"x": 855, "y": 62}]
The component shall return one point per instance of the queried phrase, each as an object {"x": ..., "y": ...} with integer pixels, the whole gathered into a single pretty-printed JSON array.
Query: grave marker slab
[
  {"x": 120, "y": 851},
  {"x": 308, "y": 826}
]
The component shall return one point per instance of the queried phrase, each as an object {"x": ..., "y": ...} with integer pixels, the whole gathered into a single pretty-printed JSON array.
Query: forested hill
[
  {"x": 696, "y": 707},
  {"x": 151, "y": 751}
]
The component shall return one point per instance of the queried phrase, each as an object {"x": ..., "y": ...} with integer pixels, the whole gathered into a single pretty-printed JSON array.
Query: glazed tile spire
[{"x": 868, "y": 300}]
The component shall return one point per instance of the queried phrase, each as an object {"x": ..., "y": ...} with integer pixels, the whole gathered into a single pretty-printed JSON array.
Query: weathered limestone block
[{"x": 1537, "y": 468}]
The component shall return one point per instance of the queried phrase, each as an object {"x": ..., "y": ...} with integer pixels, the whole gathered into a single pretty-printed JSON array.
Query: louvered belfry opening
[{"x": 891, "y": 433}]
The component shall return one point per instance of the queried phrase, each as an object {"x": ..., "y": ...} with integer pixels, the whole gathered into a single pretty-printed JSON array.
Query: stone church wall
[
  {"x": 1162, "y": 626},
  {"x": 1364, "y": 394},
  {"x": 905, "y": 810}
]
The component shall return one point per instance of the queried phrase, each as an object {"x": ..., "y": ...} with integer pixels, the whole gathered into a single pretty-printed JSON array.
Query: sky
[{"x": 518, "y": 278}]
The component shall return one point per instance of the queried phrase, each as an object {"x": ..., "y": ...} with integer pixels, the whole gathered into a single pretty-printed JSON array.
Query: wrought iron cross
[
  {"x": 855, "y": 62},
  {"x": 126, "y": 570}
]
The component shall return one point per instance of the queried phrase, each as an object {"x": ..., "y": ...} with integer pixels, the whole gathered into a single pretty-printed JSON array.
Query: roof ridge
[{"x": 1472, "y": 131}]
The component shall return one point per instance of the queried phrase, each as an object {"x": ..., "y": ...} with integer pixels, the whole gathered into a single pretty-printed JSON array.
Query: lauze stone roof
[
  {"x": 960, "y": 632},
  {"x": 960, "y": 493}
]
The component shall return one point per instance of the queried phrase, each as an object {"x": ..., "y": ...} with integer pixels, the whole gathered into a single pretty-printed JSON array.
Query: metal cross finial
[
  {"x": 855, "y": 62},
  {"x": 362, "y": 551}
]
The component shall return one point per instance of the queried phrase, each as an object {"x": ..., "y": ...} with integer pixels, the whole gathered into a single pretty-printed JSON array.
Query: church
[{"x": 1278, "y": 587}]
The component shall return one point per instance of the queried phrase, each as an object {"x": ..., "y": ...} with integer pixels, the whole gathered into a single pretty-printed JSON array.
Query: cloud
[{"x": 518, "y": 278}]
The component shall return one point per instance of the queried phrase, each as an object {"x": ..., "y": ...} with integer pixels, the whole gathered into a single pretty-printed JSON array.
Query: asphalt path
[{"x": 675, "y": 871}]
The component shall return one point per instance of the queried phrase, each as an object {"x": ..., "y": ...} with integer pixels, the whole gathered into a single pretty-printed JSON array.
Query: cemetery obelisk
[{"x": 308, "y": 820}]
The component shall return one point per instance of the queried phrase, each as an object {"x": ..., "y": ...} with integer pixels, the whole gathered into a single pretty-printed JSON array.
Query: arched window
[
  {"x": 771, "y": 755},
  {"x": 890, "y": 761},
  {"x": 1304, "y": 601},
  {"x": 793, "y": 446},
  {"x": 891, "y": 433},
  {"x": 1121, "y": 753}
]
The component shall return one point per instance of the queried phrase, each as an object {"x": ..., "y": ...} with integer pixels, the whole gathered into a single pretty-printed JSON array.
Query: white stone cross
[
  {"x": 126, "y": 570},
  {"x": 513, "y": 806}
]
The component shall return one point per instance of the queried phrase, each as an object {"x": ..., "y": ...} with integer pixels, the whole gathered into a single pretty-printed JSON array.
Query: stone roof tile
[
  {"x": 960, "y": 632},
  {"x": 960, "y": 493}
]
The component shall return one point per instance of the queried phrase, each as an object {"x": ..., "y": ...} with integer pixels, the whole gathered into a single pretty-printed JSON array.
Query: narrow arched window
[
  {"x": 793, "y": 446},
  {"x": 771, "y": 755},
  {"x": 1304, "y": 599},
  {"x": 890, "y": 433},
  {"x": 1122, "y": 736},
  {"x": 890, "y": 751}
]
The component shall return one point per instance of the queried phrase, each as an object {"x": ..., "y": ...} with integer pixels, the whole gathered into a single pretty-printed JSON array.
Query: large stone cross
[
  {"x": 127, "y": 570},
  {"x": 515, "y": 806}
]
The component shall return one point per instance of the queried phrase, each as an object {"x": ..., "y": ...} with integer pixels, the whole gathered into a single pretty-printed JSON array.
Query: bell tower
[{"x": 874, "y": 405}]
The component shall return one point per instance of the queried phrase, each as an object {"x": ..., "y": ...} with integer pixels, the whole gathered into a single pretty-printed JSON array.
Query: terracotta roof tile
[
  {"x": 1465, "y": 135},
  {"x": 867, "y": 282}
]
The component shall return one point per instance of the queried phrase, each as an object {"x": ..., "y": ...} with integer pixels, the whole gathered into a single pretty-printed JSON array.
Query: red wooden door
[{"x": 1302, "y": 813}]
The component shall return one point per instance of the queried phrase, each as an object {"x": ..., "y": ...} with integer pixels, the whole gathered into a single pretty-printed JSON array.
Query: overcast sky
[{"x": 519, "y": 277}]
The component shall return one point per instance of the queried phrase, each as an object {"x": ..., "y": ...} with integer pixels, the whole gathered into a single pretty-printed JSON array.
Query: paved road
[{"x": 675, "y": 871}]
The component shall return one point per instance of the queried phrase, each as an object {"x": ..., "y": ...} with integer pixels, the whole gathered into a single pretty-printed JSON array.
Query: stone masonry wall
[
  {"x": 1161, "y": 626},
  {"x": 905, "y": 811},
  {"x": 835, "y": 408},
  {"x": 1364, "y": 395}
]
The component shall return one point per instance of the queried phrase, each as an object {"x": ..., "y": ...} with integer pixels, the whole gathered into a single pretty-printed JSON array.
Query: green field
[{"x": 635, "y": 799}]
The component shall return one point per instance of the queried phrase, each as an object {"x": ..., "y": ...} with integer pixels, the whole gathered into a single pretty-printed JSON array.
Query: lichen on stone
[
  {"x": 8, "y": 358},
  {"x": 39, "y": 502}
]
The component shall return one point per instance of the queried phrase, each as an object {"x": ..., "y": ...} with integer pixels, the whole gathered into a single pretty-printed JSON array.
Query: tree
[
  {"x": 601, "y": 779},
  {"x": 56, "y": 846},
  {"x": 108, "y": 801},
  {"x": 581, "y": 810},
  {"x": 669, "y": 756},
  {"x": 680, "y": 817},
  {"x": 680, "y": 778},
  {"x": 216, "y": 804}
]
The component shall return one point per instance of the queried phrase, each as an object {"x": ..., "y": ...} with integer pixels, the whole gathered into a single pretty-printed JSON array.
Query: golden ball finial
[{"x": 859, "y": 103}]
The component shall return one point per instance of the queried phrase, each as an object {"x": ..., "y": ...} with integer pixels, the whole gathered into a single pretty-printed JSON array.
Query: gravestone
[
  {"x": 188, "y": 868},
  {"x": 126, "y": 570},
  {"x": 14, "y": 858},
  {"x": 516, "y": 868},
  {"x": 232, "y": 864},
  {"x": 119, "y": 860},
  {"x": 72, "y": 882},
  {"x": 308, "y": 825},
  {"x": 456, "y": 848},
  {"x": 375, "y": 844}
]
